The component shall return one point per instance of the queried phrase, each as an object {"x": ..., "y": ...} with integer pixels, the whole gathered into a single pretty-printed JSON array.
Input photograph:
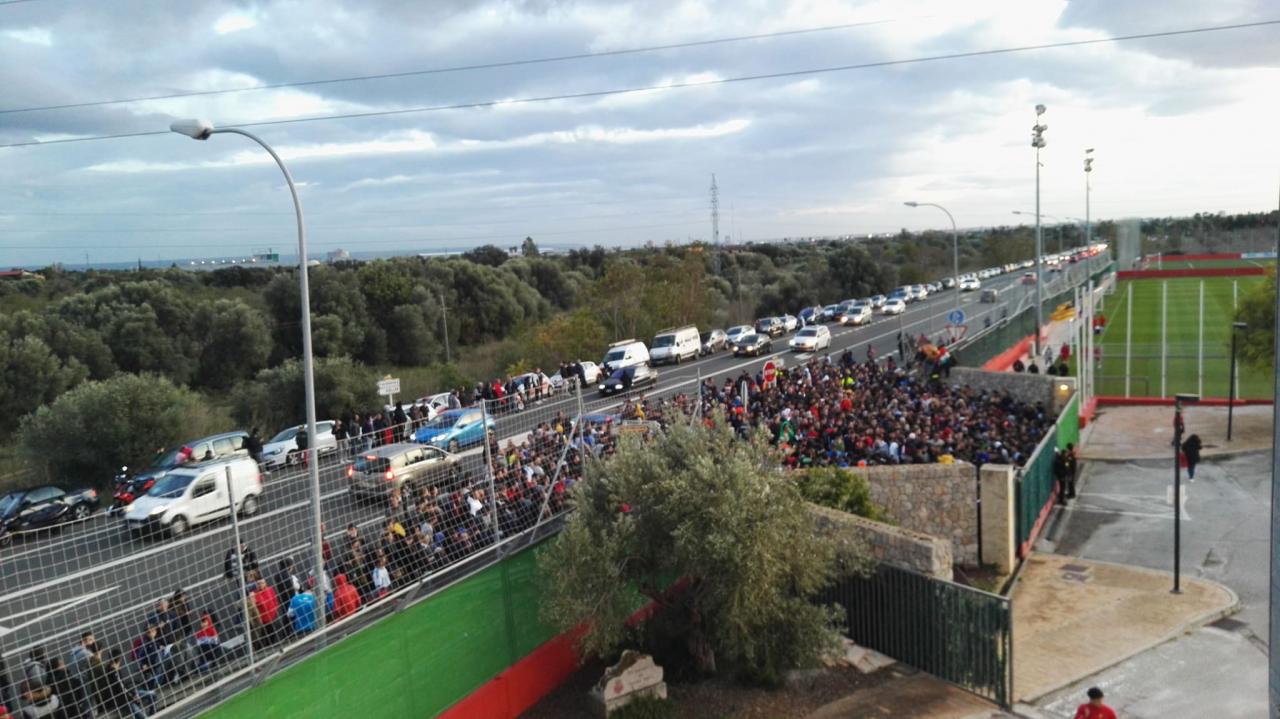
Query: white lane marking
[{"x": 50, "y": 610}]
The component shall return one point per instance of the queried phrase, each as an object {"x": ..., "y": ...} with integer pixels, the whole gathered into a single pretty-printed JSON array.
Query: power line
[
  {"x": 454, "y": 68},
  {"x": 679, "y": 85},
  {"x": 14, "y": 2}
]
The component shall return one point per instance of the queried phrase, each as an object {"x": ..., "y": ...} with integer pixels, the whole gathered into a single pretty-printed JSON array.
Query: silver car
[{"x": 404, "y": 465}]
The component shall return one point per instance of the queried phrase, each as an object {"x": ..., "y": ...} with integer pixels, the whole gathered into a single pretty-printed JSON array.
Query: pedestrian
[
  {"x": 1191, "y": 447},
  {"x": 1073, "y": 465},
  {"x": 303, "y": 442},
  {"x": 253, "y": 444},
  {"x": 1033, "y": 368},
  {"x": 1018, "y": 366},
  {"x": 399, "y": 419},
  {"x": 1060, "y": 475},
  {"x": 234, "y": 562},
  {"x": 1094, "y": 708}
]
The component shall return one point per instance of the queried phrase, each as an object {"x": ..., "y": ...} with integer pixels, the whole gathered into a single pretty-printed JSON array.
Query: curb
[
  {"x": 1195, "y": 622},
  {"x": 1205, "y": 455}
]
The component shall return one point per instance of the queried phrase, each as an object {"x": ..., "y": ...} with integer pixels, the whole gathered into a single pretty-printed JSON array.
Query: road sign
[
  {"x": 389, "y": 386},
  {"x": 956, "y": 316},
  {"x": 770, "y": 371}
]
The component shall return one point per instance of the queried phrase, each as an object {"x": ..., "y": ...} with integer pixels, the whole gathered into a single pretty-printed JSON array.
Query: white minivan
[
  {"x": 193, "y": 494},
  {"x": 675, "y": 345},
  {"x": 627, "y": 353}
]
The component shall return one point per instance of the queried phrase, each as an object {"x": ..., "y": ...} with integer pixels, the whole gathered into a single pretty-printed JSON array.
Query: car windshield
[
  {"x": 738, "y": 330},
  {"x": 286, "y": 435},
  {"x": 704, "y": 336},
  {"x": 171, "y": 486},
  {"x": 8, "y": 502},
  {"x": 445, "y": 420},
  {"x": 750, "y": 339},
  {"x": 808, "y": 332},
  {"x": 664, "y": 340},
  {"x": 166, "y": 460},
  {"x": 615, "y": 354}
]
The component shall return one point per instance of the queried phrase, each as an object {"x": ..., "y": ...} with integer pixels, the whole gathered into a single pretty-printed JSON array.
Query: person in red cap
[
  {"x": 1094, "y": 708},
  {"x": 346, "y": 600}
]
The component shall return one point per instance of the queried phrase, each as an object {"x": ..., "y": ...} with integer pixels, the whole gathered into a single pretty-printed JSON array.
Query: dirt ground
[{"x": 719, "y": 698}]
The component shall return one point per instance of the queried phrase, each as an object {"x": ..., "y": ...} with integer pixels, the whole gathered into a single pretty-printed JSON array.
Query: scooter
[{"x": 127, "y": 490}]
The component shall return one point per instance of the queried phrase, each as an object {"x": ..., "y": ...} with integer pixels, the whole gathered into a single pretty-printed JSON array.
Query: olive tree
[{"x": 711, "y": 530}]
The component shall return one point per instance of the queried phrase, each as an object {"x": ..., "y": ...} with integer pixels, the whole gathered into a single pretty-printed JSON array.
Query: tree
[
  {"x": 86, "y": 434},
  {"x": 569, "y": 337},
  {"x": 529, "y": 248},
  {"x": 710, "y": 529},
  {"x": 30, "y": 376},
  {"x": 839, "y": 489},
  {"x": 410, "y": 343},
  {"x": 276, "y": 397},
  {"x": 1258, "y": 310},
  {"x": 236, "y": 342},
  {"x": 486, "y": 255}
]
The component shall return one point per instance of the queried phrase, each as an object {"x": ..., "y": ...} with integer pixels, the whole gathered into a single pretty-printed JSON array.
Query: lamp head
[
  {"x": 912, "y": 204},
  {"x": 1039, "y": 109},
  {"x": 195, "y": 129}
]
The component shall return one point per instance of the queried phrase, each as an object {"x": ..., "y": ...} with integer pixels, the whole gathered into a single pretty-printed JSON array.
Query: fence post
[
  {"x": 1128, "y": 340},
  {"x": 244, "y": 585},
  {"x": 488, "y": 465},
  {"x": 1164, "y": 338},
  {"x": 1200, "y": 363}
]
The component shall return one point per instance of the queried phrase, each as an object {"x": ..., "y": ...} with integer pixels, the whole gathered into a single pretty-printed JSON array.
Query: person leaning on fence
[{"x": 37, "y": 698}]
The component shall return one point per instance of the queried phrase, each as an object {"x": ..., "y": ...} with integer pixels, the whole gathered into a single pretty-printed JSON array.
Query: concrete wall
[
  {"x": 939, "y": 500},
  {"x": 1026, "y": 387},
  {"x": 886, "y": 543},
  {"x": 998, "y": 523}
]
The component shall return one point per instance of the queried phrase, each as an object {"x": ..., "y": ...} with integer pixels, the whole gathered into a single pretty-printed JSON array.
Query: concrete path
[
  {"x": 1074, "y": 617},
  {"x": 914, "y": 696},
  {"x": 1132, "y": 433},
  {"x": 1208, "y": 673}
]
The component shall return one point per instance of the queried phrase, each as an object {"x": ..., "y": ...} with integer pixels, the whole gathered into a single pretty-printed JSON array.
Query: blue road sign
[{"x": 956, "y": 317}]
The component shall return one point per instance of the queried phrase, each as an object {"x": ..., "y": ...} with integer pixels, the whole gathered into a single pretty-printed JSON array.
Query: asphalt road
[{"x": 94, "y": 575}]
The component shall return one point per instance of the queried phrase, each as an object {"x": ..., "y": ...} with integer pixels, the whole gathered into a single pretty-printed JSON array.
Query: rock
[
  {"x": 866, "y": 660},
  {"x": 635, "y": 675}
]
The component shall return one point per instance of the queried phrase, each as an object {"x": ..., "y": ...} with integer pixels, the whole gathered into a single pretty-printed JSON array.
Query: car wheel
[
  {"x": 453, "y": 446},
  {"x": 81, "y": 512},
  {"x": 249, "y": 506},
  {"x": 178, "y": 527}
]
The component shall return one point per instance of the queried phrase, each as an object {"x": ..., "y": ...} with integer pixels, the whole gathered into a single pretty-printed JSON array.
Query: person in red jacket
[
  {"x": 1094, "y": 708},
  {"x": 346, "y": 600},
  {"x": 268, "y": 604}
]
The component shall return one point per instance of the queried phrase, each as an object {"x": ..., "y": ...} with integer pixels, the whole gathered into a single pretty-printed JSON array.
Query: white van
[
  {"x": 627, "y": 353},
  {"x": 675, "y": 345},
  {"x": 194, "y": 494}
]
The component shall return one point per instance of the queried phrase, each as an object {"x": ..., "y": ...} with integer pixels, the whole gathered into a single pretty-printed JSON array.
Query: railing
[{"x": 956, "y": 633}]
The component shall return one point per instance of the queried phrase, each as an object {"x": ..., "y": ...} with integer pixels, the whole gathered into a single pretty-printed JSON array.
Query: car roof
[{"x": 390, "y": 450}]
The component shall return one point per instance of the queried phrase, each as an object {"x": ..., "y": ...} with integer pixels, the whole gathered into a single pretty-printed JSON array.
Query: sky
[{"x": 1179, "y": 124}]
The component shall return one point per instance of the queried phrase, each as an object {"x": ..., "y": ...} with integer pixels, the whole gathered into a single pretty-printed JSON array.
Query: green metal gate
[{"x": 956, "y": 633}]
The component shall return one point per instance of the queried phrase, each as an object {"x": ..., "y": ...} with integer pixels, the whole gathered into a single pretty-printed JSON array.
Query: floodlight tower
[
  {"x": 715, "y": 223},
  {"x": 1037, "y": 141},
  {"x": 1088, "y": 169}
]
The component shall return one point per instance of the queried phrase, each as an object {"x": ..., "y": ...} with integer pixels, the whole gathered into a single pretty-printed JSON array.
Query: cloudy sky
[{"x": 1181, "y": 124}]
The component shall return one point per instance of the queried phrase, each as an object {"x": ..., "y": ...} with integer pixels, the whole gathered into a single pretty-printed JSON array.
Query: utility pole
[
  {"x": 715, "y": 223},
  {"x": 1088, "y": 169},
  {"x": 1037, "y": 141},
  {"x": 1273, "y": 646},
  {"x": 444, "y": 320}
]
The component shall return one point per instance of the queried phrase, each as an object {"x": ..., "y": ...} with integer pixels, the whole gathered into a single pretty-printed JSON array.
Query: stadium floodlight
[
  {"x": 1038, "y": 142},
  {"x": 955, "y": 245},
  {"x": 201, "y": 130}
]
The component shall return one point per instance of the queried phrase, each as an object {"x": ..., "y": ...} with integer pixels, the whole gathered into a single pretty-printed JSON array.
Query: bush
[
  {"x": 276, "y": 397},
  {"x": 839, "y": 489},
  {"x": 85, "y": 435},
  {"x": 646, "y": 707}
]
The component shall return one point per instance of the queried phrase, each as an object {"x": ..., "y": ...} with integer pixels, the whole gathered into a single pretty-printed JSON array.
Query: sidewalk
[
  {"x": 1121, "y": 434},
  {"x": 1074, "y": 617},
  {"x": 918, "y": 696}
]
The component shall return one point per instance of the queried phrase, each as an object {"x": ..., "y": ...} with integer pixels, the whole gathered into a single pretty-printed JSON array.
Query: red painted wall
[{"x": 1207, "y": 256}]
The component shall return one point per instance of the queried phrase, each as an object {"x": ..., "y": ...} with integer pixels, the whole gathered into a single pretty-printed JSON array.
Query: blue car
[{"x": 454, "y": 429}]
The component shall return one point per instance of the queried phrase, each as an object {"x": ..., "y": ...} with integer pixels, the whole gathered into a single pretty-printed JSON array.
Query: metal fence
[
  {"x": 956, "y": 633},
  {"x": 1033, "y": 489}
]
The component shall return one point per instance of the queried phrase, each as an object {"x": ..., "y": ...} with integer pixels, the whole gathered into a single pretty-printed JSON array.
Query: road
[{"x": 95, "y": 576}]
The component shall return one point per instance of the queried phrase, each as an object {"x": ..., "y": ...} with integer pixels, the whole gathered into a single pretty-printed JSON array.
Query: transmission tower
[{"x": 715, "y": 223}]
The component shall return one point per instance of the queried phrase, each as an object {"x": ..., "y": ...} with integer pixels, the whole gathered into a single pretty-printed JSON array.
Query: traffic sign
[
  {"x": 389, "y": 386},
  {"x": 770, "y": 371},
  {"x": 956, "y": 316}
]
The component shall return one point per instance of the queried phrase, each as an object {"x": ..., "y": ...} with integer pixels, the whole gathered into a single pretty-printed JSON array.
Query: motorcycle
[{"x": 127, "y": 490}]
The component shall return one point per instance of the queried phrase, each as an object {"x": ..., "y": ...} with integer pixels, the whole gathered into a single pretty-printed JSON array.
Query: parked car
[
  {"x": 811, "y": 339},
  {"x": 626, "y": 353},
  {"x": 877, "y": 301},
  {"x": 44, "y": 507},
  {"x": 970, "y": 284},
  {"x": 590, "y": 371},
  {"x": 736, "y": 333},
  {"x": 405, "y": 466},
  {"x": 675, "y": 345},
  {"x": 894, "y": 306},
  {"x": 713, "y": 341},
  {"x": 455, "y": 429},
  {"x": 282, "y": 449},
  {"x": 858, "y": 314},
  {"x": 829, "y": 312},
  {"x": 195, "y": 494},
  {"x": 790, "y": 322},
  {"x": 810, "y": 315},
  {"x": 1028, "y": 278},
  {"x": 624, "y": 379},
  {"x": 217, "y": 446},
  {"x": 949, "y": 283},
  {"x": 919, "y": 292},
  {"x": 771, "y": 326},
  {"x": 753, "y": 345}
]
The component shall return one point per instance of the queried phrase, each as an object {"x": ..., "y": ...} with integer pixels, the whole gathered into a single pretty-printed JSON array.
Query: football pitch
[
  {"x": 1173, "y": 263},
  {"x": 1192, "y": 352}
]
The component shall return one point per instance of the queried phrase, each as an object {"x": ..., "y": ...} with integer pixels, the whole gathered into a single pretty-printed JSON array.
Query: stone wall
[
  {"x": 940, "y": 500},
  {"x": 888, "y": 544},
  {"x": 1029, "y": 388}
]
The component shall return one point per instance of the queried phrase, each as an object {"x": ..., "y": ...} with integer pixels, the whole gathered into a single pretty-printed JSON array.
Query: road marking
[
  {"x": 1123, "y": 512},
  {"x": 49, "y": 610}
]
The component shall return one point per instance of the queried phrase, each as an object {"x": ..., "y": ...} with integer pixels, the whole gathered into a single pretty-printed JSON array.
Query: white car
[
  {"x": 282, "y": 449},
  {"x": 811, "y": 339},
  {"x": 790, "y": 322},
  {"x": 737, "y": 332},
  {"x": 590, "y": 370},
  {"x": 970, "y": 284},
  {"x": 858, "y": 314},
  {"x": 894, "y": 306}
]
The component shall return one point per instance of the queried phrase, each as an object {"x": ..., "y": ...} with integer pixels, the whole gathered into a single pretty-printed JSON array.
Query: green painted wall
[
  {"x": 416, "y": 663},
  {"x": 1069, "y": 424}
]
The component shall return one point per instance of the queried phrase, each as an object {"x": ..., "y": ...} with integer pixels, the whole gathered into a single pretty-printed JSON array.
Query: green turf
[
  {"x": 1182, "y": 365},
  {"x": 1176, "y": 264}
]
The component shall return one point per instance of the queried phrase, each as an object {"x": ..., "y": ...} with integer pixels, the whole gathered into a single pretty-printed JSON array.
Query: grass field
[
  {"x": 1184, "y": 369},
  {"x": 1172, "y": 263}
]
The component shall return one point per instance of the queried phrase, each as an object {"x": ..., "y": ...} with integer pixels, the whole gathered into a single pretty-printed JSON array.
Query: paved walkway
[
  {"x": 1127, "y": 433},
  {"x": 1075, "y": 617},
  {"x": 917, "y": 696}
]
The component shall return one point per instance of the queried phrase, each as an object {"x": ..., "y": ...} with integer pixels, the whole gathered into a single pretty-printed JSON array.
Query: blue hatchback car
[{"x": 454, "y": 429}]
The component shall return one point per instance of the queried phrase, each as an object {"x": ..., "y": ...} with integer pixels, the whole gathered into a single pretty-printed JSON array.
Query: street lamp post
[
  {"x": 955, "y": 246},
  {"x": 1178, "y": 428},
  {"x": 1038, "y": 142},
  {"x": 1231, "y": 390},
  {"x": 201, "y": 130},
  {"x": 1088, "y": 169}
]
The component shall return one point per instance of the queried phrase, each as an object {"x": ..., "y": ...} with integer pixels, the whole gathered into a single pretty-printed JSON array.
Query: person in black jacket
[
  {"x": 253, "y": 444},
  {"x": 1191, "y": 449},
  {"x": 110, "y": 693}
]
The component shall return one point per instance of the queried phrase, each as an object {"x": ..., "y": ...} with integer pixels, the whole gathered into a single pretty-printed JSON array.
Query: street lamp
[
  {"x": 1038, "y": 142},
  {"x": 1088, "y": 169},
  {"x": 1231, "y": 390},
  {"x": 955, "y": 245},
  {"x": 1178, "y": 428},
  {"x": 201, "y": 130}
]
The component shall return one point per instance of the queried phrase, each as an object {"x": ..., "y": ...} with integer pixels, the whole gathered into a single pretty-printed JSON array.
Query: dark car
[
  {"x": 44, "y": 507},
  {"x": 810, "y": 315},
  {"x": 624, "y": 378},
  {"x": 753, "y": 345},
  {"x": 771, "y": 326},
  {"x": 218, "y": 446}
]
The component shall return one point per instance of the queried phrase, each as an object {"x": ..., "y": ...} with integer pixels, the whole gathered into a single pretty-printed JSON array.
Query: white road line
[{"x": 51, "y": 609}]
